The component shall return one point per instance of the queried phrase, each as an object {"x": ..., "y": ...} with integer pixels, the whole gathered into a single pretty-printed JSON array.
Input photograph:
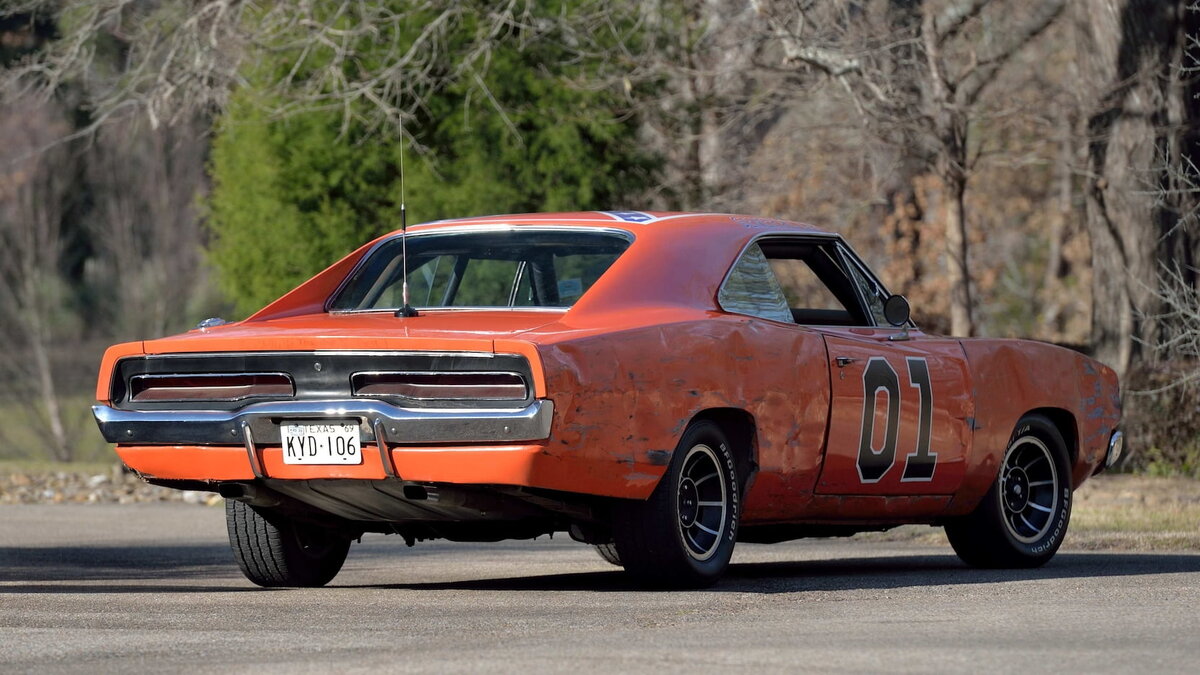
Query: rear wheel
[
  {"x": 1023, "y": 519},
  {"x": 273, "y": 550},
  {"x": 684, "y": 534}
]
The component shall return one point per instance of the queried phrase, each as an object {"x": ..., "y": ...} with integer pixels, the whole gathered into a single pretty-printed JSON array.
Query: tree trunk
[
  {"x": 958, "y": 273},
  {"x": 1051, "y": 292},
  {"x": 1130, "y": 46},
  {"x": 60, "y": 444}
]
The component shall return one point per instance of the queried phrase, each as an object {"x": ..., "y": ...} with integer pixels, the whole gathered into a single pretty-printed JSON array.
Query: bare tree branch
[
  {"x": 972, "y": 82},
  {"x": 956, "y": 15},
  {"x": 187, "y": 56}
]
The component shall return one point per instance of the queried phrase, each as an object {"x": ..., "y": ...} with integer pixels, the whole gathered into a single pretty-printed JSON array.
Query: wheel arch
[
  {"x": 1065, "y": 422},
  {"x": 742, "y": 430}
]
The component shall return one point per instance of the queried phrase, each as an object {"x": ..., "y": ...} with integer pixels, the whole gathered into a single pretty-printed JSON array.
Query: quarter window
[{"x": 753, "y": 289}]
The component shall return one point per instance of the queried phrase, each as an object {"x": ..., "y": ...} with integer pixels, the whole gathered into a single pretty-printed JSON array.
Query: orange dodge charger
[{"x": 659, "y": 385}]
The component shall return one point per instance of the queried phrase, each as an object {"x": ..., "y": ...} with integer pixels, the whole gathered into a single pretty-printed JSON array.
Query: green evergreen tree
[{"x": 291, "y": 196}]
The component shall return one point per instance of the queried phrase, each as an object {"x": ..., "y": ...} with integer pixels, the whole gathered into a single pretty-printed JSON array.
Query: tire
[
  {"x": 1023, "y": 519},
  {"x": 274, "y": 551},
  {"x": 609, "y": 553},
  {"x": 683, "y": 535}
]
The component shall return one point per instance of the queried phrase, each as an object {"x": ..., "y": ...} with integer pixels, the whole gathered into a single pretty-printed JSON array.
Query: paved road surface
[{"x": 152, "y": 588}]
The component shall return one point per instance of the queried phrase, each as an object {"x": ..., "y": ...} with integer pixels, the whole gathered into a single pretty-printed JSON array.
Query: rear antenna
[{"x": 407, "y": 310}]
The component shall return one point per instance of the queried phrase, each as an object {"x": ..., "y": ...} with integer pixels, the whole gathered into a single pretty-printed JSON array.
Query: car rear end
[{"x": 359, "y": 435}]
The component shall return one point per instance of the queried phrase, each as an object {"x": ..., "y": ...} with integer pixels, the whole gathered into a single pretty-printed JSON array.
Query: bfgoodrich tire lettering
[
  {"x": 1023, "y": 519},
  {"x": 272, "y": 550},
  {"x": 683, "y": 535}
]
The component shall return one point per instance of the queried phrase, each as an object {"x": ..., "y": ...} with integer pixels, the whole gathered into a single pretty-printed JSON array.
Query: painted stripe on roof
[{"x": 630, "y": 216}]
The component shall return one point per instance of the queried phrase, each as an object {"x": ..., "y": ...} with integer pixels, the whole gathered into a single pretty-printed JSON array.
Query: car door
[
  {"x": 900, "y": 414},
  {"x": 900, "y": 410}
]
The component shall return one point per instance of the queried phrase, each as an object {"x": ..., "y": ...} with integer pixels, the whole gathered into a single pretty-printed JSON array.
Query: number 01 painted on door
[{"x": 880, "y": 378}]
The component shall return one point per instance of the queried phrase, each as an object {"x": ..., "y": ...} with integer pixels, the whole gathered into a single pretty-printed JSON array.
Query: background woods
[{"x": 1015, "y": 168}]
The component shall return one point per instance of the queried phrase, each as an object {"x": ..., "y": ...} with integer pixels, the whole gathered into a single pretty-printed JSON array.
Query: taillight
[
  {"x": 442, "y": 386},
  {"x": 214, "y": 387}
]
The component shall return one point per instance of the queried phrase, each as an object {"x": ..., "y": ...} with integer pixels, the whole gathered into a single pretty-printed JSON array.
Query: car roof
[
  {"x": 675, "y": 259},
  {"x": 633, "y": 221}
]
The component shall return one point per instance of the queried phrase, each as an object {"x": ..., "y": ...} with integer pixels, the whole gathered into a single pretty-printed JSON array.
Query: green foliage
[
  {"x": 1183, "y": 463},
  {"x": 290, "y": 196}
]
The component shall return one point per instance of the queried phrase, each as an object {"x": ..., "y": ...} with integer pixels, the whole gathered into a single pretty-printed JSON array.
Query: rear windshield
[{"x": 494, "y": 268}]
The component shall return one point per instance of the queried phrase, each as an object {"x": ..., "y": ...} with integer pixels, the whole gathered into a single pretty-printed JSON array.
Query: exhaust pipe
[{"x": 248, "y": 494}]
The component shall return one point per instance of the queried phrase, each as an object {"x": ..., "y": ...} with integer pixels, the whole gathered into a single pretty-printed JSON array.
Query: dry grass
[
  {"x": 1111, "y": 513},
  {"x": 1136, "y": 513}
]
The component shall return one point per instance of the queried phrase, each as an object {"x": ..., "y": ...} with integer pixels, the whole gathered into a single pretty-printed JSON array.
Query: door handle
[{"x": 843, "y": 361}]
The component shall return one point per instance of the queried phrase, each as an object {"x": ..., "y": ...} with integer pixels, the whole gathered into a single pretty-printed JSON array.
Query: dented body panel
[{"x": 866, "y": 425}]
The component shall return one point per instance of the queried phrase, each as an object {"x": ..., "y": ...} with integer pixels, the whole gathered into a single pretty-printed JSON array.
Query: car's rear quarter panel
[{"x": 623, "y": 398}]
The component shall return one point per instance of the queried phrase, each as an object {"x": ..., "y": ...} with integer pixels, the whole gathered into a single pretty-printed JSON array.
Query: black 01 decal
[
  {"x": 874, "y": 464},
  {"x": 919, "y": 465}
]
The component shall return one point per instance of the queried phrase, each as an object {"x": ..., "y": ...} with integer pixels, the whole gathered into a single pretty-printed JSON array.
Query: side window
[
  {"x": 870, "y": 291},
  {"x": 815, "y": 281},
  {"x": 801, "y": 286},
  {"x": 753, "y": 289}
]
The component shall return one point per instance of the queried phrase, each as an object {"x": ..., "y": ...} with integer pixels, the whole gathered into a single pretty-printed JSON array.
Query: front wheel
[
  {"x": 684, "y": 534},
  {"x": 1023, "y": 519},
  {"x": 273, "y": 550}
]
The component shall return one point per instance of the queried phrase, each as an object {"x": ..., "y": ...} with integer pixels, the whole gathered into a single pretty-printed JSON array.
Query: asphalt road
[{"x": 153, "y": 588}]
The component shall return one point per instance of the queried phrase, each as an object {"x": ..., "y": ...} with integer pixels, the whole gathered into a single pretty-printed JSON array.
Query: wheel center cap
[
  {"x": 1016, "y": 490},
  {"x": 689, "y": 502}
]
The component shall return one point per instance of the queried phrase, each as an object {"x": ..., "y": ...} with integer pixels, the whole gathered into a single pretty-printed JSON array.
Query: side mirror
[{"x": 896, "y": 310}]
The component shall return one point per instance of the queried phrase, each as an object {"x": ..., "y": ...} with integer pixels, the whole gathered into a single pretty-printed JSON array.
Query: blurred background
[{"x": 1016, "y": 168}]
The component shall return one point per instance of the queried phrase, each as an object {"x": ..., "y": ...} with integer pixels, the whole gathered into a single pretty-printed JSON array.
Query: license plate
[{"x": 321, "y": 443}]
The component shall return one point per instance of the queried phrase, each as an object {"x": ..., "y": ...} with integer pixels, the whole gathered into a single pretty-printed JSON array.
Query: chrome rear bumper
[{"x": 400, "y": 425}]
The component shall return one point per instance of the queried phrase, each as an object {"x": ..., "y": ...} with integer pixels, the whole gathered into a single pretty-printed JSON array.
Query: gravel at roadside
[{"x": 115, "y": 486}]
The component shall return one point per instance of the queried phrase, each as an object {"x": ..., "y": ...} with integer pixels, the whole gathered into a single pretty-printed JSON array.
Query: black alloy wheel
[
  {"x": 684, "y": 534},
  {"x": 1023, "y": 519}
]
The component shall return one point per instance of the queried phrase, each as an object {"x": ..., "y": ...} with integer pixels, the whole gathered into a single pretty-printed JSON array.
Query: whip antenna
[{"x": 407, "y": 310}]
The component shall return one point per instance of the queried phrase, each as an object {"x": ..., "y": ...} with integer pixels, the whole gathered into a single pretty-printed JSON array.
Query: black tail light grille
[
  {"x": 209, "y": 387},
  {"x": 442, "y": 386}
]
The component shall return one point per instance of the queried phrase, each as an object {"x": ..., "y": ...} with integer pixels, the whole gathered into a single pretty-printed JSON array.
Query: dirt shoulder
[{"x": 1136, "y": 513}]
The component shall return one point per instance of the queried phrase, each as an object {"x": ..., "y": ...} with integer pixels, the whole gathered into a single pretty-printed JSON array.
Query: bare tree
[
  {"x": 37, "y": 329},
  {"x": 916, "y": 71},
  {"x": 145, "y": 227},
  {"x": 689, "y": 68},
  {"x": 375, "y": 62},
  {"x": 1142, "y": 153}
]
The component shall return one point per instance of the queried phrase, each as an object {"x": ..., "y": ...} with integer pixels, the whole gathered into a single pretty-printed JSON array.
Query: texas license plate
[{"x": 320, "y": 443}]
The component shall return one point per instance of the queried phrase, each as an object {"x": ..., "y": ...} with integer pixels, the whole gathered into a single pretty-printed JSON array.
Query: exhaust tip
[
  {"x": 416, "y": 492},
  {"x": 235, "y": 491}
]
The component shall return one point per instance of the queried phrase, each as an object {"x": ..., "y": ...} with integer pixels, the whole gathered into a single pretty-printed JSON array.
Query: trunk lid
[{"x": 438, "y": 330}]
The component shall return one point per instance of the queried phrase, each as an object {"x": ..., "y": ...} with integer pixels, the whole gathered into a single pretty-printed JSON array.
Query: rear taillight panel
[
  {"x": 229, "y": 381},
  {"x": 443, "y": 386},
  {"x": 209, "y": 387}
]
